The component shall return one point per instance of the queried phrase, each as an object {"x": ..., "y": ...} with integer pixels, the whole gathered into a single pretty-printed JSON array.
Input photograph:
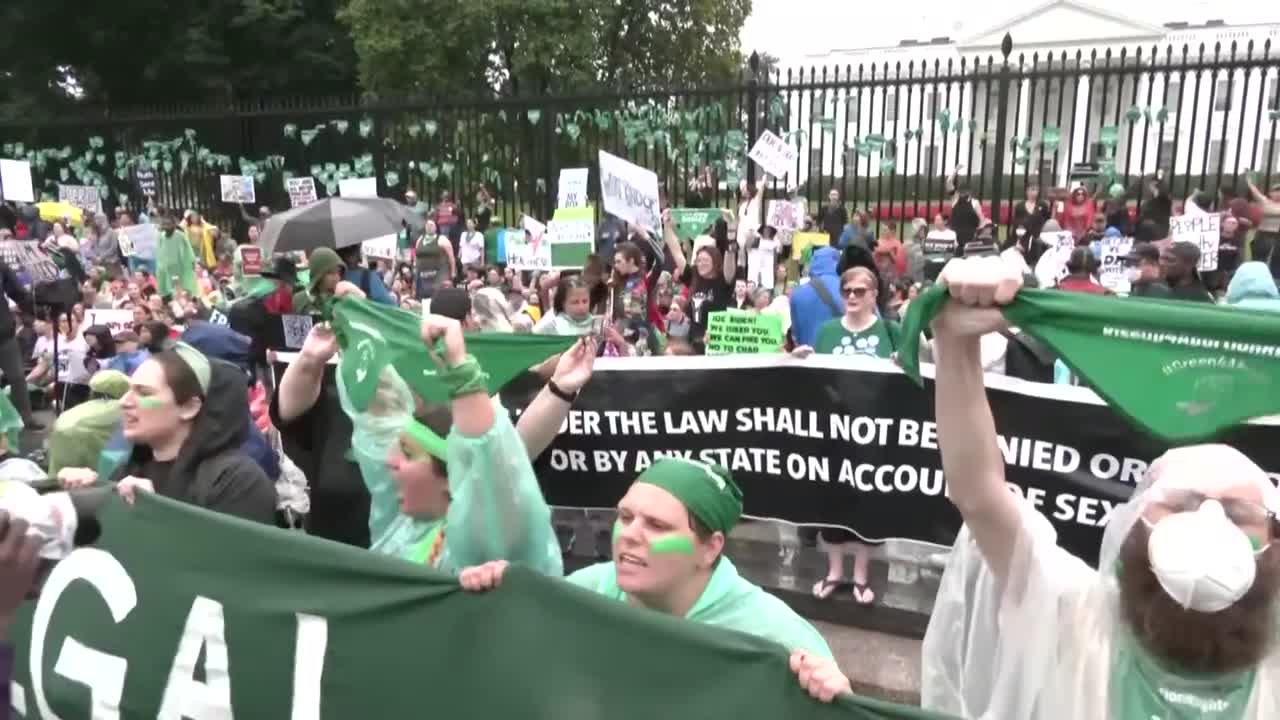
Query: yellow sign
[{"x": 801, "y": 241}]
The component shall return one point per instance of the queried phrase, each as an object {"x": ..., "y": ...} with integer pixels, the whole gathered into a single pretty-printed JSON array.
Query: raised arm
[
  {"x": 673, "y": 244},
  {"x": 971, "y": 457},
  {"x": 541, "y": 421},
  {"x": 300, "y": 385}
]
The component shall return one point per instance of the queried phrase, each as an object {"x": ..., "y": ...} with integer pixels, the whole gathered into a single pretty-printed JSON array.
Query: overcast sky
[{"x": 788, "y": 28}]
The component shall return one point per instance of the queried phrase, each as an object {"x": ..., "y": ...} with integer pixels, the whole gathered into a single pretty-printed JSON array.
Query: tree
[
  {"x": 514, "y": 47},
  {"x": 151, "y": 52}
]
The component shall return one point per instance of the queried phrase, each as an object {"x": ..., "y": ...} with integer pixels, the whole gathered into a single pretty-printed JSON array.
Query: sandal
[
  {"x": 863, "y": 595},
  {"x": 824, "y": 588}
]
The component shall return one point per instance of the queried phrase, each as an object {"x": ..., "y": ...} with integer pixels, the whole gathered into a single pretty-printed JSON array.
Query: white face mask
[{"x": 1202, "y": 560}]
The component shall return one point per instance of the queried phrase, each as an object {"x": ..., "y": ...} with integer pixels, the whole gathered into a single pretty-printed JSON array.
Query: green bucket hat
[{"x": 708, "y": 491}]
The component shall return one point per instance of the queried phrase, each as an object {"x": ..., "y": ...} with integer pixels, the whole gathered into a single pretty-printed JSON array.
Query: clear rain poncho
[
  {"x": 497, "y": 510},
  {"x": 1047, "y": 643}
]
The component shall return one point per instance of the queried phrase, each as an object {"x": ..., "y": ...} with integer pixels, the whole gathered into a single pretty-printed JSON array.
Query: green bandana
[
  {"x": 690, "y": 223},
  {"x": 374, "y": 336},
  {"x": 1142, "y": 689},
  {"x": 198, "y": 363},
  {"x": 427, "y": 439},
  {"x": 708, "y": 491},
  {"x": 1183, "y": 371}
]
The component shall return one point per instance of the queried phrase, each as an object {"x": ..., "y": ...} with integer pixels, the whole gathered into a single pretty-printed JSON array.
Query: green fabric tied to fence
[
  {"x": 210, "y": 615},
  {"x": 1183, "y": 371}
]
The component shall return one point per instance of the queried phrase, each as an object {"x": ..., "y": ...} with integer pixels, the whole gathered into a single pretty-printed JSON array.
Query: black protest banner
[{"x": 847, "y": 442}]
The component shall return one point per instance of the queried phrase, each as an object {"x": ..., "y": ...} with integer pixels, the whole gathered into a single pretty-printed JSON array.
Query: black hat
[
  {"x": 1145, "y": 252},
  {"x": 451, "y": 302},
  {"x": 284, "y": 269},
  {"x": 768, "y": 232}
]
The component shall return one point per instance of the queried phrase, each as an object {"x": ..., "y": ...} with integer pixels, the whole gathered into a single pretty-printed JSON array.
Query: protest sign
[
  {"x": 733, "y": 332},
  {"x": 302, "y": 191},
  {"x": 85, "y": 197},
  {"x": 296, "y": 329},
  {"x": 237, "y": 188},
  {"x": 358, "y": 187},
  {"x": 773, "y": 154},
  {"x": 1052, "y": 266},
  {"x": 849, "y": 442},
  {"x": 217, "y": 318},
  {"x": 940, "y": 243},
  {"x": 692, "y": 222},
  {"x": 1113, "y": 272},
  {"x": 1060, "y": 239},
  {"x": 526, "y": 251},
  {"x": 138, "y": 241},
  {"x": 801, "y": 241},
  {"x": 250, "y": 260},
  {"x": 180, "y": 612},
  {"x": 629, "y": 191},
  {"x": 117, "y": 320},
  {"x": 15, "y": 181},
  {"x": 571, "y": 237},
  {"x": 380, "y": 248},
  {"x": 1204, "y": 231},
  {"x": 146, "y": 180},
  {"x": 786, "y": 217},
  {"x": 572, "y": 190}
]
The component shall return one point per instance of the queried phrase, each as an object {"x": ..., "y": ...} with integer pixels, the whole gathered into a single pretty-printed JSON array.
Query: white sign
[
  {"x": 571, "y": 231},
  {"x": 138, "y": 241},
  {"x": 116, "y": 320},
  {"x": 629, "y": 191},
  {"x": 525, "y": 254},
  {"x": 786, "y": 216},
  {"x": 1061, "y": 240},
  {"x": 1203, "y": 230},
  {"x": 237, "y": 189},
  {"x": 1113, "y": 274},
  {"x": 773, "y": 154},
  {"x": 296, "y": 329},
  {"x": 1052, "y": 266},
  {"x": 85, "y": 197},
  {"x": 572, "y": 190},
  {"x": 15, "y": 181},
  {"x": 535, "y": 229},
  {"x": 358, "y": 187},
  {"x": 380, "y": 248},
  {"x": 302, "y": 191}
]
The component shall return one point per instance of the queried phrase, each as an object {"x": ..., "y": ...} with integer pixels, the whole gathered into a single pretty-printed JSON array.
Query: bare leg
[{"x": 861, "y": 567}]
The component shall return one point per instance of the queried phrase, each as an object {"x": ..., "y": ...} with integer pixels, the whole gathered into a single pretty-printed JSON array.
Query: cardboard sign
[
  {"x": 116, "y": 320},
  {"x": 742, "y": 332},
  {"x": 302, "y": 191},
  {"x": 358, "y": 187},
  {"x": 1113, "y": 274},
  {"x": 382, "y": 248},
  {"x": 773, "y": 154},
  {"x": 806, "y": 240},
  {"x": 1203, "y": 230},
  {"x": 146, "y": 180},
  {"x": 15, "y": 181},
  {"x": 629, "y": 191},
  {"x": 85, "y": 197},
  {"x": 692, "y": 222},
  {"x": 250, "y": 260},
  {"x": 572, "y": 190},
  {"x": 237, "y": 189}
]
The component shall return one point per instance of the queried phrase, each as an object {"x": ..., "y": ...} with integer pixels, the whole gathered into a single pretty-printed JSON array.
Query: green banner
[
  {"x": 1184, "y": 371},
  {"x": 739, "y": 332},
  {"x": 692, "y": 222},
  {"x": 181, "y": 613}
]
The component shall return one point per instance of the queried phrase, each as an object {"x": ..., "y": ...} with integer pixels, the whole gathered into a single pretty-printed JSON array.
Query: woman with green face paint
[{"x": 667, "y": 556}]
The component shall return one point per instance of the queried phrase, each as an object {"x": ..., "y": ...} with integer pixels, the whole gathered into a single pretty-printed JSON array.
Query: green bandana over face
[
  {"x": 708, "y": 491},
  {"x": 1183, "y": 371},
  {"x": 373, "y": 336},
  {"x": 1142, "y": 689}
]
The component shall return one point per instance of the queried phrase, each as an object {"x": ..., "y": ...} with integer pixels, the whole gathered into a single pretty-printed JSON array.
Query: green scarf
[
  {"x": 1182, "y": 371},
  {"x": 373, "y": 336},
  {"x": 1142, "y": 688}
]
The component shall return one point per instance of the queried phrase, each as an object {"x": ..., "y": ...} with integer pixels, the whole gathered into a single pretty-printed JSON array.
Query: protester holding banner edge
[{"x": 1181, "y": 612}]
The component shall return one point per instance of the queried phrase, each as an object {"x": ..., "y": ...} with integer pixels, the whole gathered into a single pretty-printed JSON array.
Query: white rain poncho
[
  {"x": 1050, "y": 643},
  {"x": 497, "y": 511}
]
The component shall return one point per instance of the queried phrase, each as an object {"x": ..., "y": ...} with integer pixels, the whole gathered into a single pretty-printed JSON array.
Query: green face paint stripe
[
  {"x": 671, "y": 545},
  {"x": 149, "y": 403},
  {"x": 427, "y": 439}
]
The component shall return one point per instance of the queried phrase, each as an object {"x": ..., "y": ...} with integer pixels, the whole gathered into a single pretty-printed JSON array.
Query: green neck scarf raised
[
  {"x": 373, "y": 336},
  {"x": 1183, "y": 371}
]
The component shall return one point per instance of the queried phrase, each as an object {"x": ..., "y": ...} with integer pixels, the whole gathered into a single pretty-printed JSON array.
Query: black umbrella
[{"x": 333, "y": 223}]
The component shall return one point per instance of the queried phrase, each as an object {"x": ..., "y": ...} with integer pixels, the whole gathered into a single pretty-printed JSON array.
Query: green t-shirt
[{"x": 880, "y": 340}]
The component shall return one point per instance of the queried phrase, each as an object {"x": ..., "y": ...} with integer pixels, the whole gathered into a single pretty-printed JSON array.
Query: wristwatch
[{"x": 560, "y": 393}]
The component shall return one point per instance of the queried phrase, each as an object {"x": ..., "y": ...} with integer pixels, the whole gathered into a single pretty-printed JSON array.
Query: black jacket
[
  {"x": 211, "y": 471},
  {"x": 9, "y": 286}
]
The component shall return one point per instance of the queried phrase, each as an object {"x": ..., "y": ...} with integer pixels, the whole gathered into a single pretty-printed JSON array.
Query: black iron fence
[{"x": 885, "y": 136}]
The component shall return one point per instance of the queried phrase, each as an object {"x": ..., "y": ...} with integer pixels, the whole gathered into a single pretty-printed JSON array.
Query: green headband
[
  {"x": 708, "y": 491},
  {"x": 427, "y": 438},
  {"x": 198, "y": 363}
]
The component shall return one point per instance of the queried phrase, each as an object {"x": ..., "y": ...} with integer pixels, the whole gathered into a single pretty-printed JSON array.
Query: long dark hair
[
  {"x": 567, "y": 284},
  {"x": 179, "y": 376}
]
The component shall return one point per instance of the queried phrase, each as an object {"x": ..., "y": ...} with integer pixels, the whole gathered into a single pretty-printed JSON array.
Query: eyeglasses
[
  {"x": 858, "y": 292},
  {"x": 1251, "y": 517}
]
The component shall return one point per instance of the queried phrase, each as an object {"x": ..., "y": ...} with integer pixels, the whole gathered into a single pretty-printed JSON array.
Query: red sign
[{"x": 251, "y": 260}]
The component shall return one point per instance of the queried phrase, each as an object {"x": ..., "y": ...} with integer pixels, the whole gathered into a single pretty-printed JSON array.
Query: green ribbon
[{"x": 1182, "y": 371}]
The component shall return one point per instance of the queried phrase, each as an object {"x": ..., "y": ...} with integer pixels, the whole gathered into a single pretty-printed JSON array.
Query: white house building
[{"x": 1193, "y": 116}]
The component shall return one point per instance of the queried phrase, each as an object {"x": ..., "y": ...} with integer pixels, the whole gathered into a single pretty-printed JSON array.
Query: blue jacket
[
  {"x": 371, "y": 283},
  {"x": 1253, "y": 287},
  {"x": 808, "y": 311}
]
